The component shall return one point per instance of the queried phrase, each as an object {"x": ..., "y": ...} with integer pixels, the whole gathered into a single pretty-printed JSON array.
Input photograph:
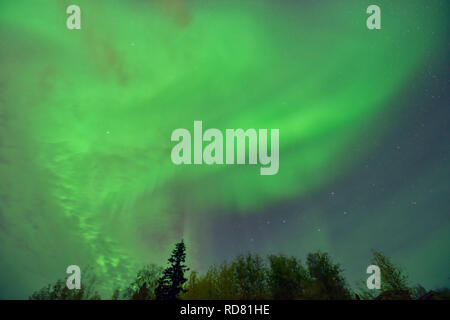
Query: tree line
[{"x": 252, "y": 277}]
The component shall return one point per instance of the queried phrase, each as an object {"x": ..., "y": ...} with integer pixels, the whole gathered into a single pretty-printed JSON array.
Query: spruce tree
[{"x": 170, "y": 285}]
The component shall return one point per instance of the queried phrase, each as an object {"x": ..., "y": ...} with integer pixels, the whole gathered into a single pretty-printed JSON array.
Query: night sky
[{"x": 86, "y": 117}]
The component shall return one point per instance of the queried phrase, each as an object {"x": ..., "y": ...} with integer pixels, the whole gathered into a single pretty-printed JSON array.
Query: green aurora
[{"x": 86, "y": 117}]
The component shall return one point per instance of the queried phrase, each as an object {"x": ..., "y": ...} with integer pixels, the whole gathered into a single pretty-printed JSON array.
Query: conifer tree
[{"x": 170, "y": 285}]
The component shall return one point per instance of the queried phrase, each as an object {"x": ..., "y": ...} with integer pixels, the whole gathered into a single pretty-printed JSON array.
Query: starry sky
[{"x": 86, "y": 117}]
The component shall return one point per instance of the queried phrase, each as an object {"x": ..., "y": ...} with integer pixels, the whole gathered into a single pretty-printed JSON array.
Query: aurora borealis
[{"x": 86, "y": 118}]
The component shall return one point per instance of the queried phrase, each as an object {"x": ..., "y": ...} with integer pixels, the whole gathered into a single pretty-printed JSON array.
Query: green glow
[{"x": 91, "y": 111}]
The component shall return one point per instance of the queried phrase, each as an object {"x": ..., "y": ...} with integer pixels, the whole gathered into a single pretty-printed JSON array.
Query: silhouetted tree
[
  {"x": 394, "y": 282},
  {"x": 326, "y": 280},
  {"x": 59, "y": 290},
  {"x": 250, "y": 272},
  {"x": 170, "y": 285},
  {"x": 286, "y": 277},
  {"x": 146, "y": 281},
  {"x": 219, "y": 283}
]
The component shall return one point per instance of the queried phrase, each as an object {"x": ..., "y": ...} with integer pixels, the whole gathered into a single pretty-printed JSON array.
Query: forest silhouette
[{"x": 251, "y": 277}]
